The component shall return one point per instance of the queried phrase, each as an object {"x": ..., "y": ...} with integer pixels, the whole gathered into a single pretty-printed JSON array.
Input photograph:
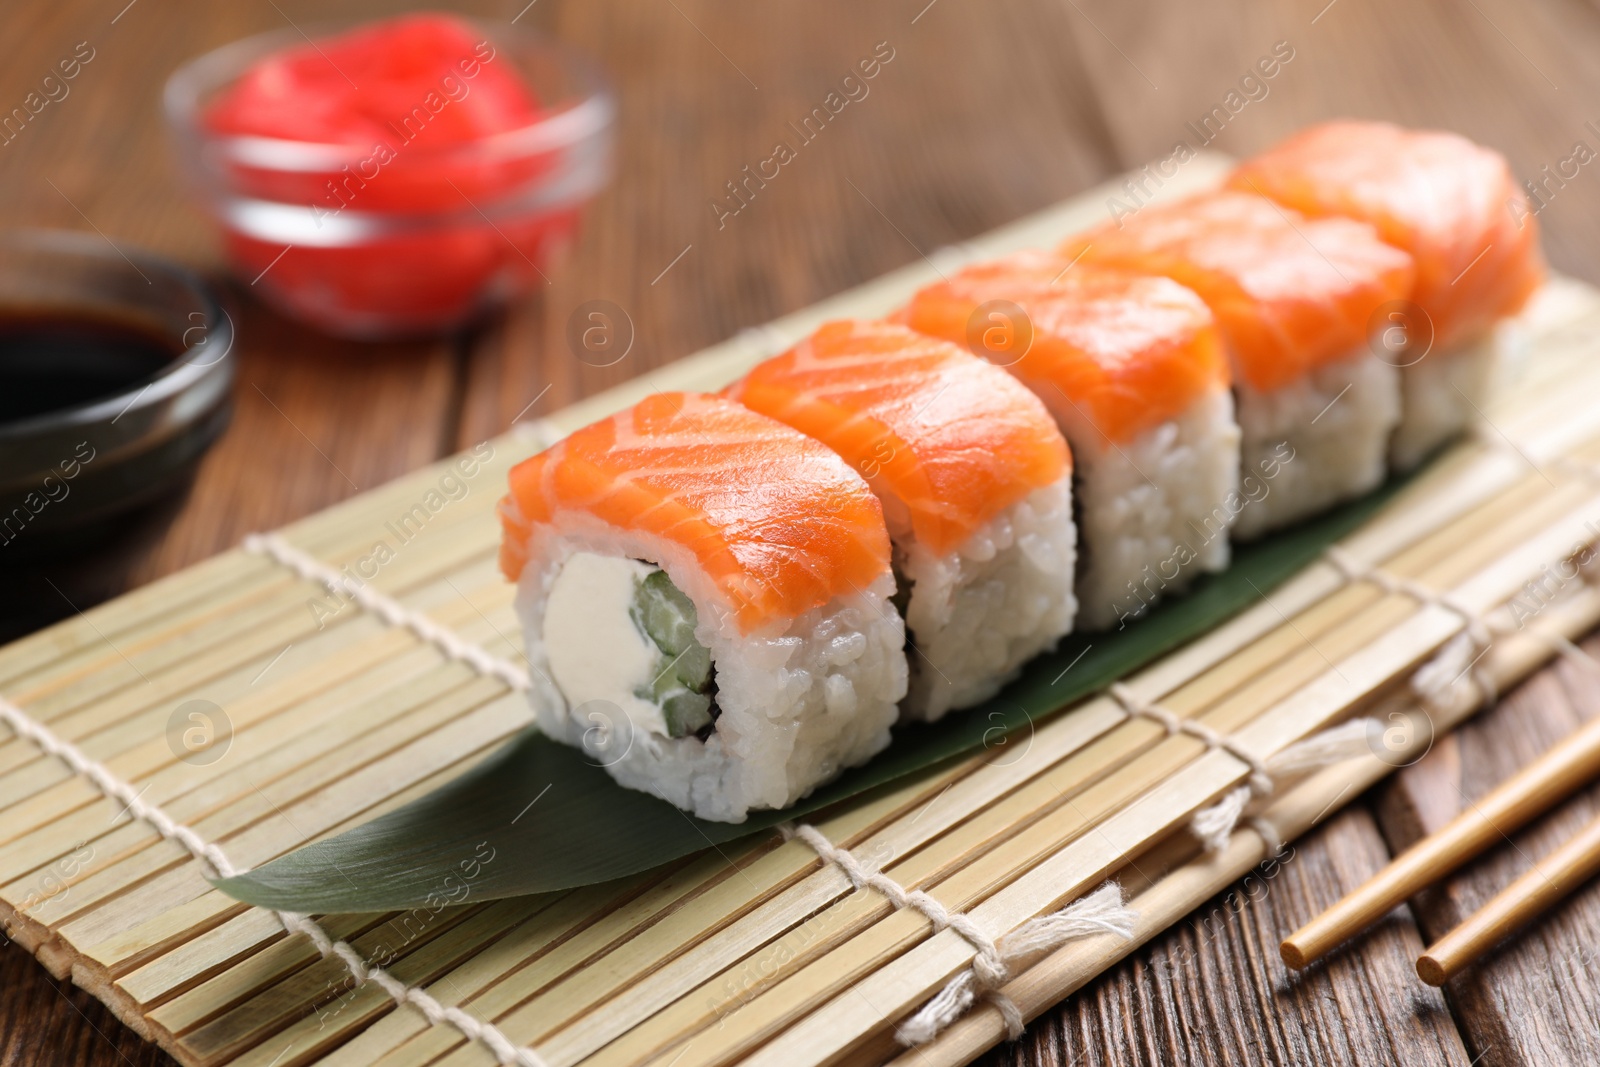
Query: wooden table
[{"x": 987, "y": 111}]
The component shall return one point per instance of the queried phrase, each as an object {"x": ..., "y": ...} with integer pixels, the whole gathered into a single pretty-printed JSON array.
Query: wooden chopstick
[
  {"x": 1547, "y": 882},
  {"x": 1560, "y": 772}
]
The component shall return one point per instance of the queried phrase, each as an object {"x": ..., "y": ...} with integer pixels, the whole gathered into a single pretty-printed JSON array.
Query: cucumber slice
[
  {"x": 686, "y": 713},
  {"x": 667, "y": 617}
]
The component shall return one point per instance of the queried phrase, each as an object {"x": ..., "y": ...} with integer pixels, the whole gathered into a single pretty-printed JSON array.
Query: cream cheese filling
[{"x": 596, "y": 650}]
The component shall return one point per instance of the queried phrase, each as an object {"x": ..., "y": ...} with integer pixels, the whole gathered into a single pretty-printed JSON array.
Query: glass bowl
[
  {"x": 395, "y": 238},
  {"x": 117, "y": 369}
]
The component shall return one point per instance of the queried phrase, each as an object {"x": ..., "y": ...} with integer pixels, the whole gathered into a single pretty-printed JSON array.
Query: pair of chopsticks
[{"x": 1556, "y": 775}]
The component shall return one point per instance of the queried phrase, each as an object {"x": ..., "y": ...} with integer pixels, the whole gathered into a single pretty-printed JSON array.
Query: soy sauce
[{"x": 49, "y": 361}]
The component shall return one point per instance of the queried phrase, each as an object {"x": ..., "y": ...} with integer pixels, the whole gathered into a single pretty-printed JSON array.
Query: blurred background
[{"x": 982, "y": 113}]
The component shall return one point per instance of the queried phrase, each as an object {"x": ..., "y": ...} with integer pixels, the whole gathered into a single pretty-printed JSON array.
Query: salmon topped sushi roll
[
  {"x": 1134, "y": 370},
  {"x": 1294, "y": 298},
  {"x": 975, "y": 481},
  {"x": 705, "y": 596},
  {"x": 1454, "y": 206}
]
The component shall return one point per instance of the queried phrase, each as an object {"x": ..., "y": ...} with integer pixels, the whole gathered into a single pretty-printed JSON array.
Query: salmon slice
[
  {"x": 946, "y": 439},
  {"x": 776, "y": 519},
  {"x": 1453, "y": 205},
  {"x": 1124, "y": 351},
  {"x": 1290, "y": 293}
]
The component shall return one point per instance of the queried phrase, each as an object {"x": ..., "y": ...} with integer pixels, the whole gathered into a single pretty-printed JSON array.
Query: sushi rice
[
  {"x": 1442, "y": 392},
  {"x": 1321, "y": 438},
  {"x": 797, "y": 702},
  {"x": 979, "y": 613},
  {"x": 1156, "y": 512}
]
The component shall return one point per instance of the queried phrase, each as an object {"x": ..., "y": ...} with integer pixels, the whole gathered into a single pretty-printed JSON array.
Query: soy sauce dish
[{"x": 115, "y": 373}]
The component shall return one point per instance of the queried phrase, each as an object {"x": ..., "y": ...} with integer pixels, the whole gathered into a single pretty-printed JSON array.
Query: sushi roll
[
  {"x": 1294, "y": 298},
  {"x": 705, "y": 597},
  {"x": 975, "y": 481},
  {"x": 1134, "y": 370},
  {"x": 1456, "y": 209}
]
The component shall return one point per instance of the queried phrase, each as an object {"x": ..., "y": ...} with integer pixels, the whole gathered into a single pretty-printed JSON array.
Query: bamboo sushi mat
[{"x": 358, "y": 660}]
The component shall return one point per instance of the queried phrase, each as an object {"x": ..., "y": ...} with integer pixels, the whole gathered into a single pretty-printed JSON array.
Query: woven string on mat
[
  {"x": 387, "y": 608},
  {"x": 211, "y": 856},
  {"x": 1463, "y": 656},
  {"x": 1100, "y": 912},
  {"x": 1214, "y": 825},
  {"x": 506, "y": 1052},
  {"x": 1476, "y": 632}
]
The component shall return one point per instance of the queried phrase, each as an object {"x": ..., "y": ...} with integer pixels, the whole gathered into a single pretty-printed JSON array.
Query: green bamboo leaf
[{"x": 538, "y": 816}]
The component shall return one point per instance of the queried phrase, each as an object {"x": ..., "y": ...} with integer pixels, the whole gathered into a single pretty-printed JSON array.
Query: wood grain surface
[{"x": 986, "y": 112}]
